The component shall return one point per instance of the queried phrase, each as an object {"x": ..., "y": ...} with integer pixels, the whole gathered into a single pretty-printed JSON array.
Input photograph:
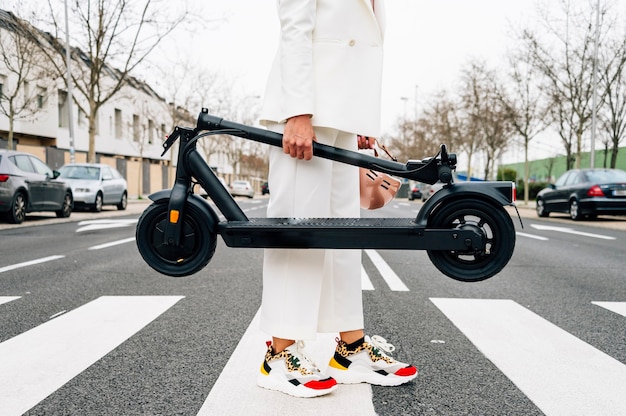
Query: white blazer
[{"x": 329, "y": 65}]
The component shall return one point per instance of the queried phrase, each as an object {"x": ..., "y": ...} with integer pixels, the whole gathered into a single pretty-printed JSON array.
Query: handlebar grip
[{"x": 445, "y": 173}]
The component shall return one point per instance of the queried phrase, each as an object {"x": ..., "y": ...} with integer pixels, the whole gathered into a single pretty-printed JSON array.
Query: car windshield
[
  {"x": 605, "y": 176},
  {"x": 80, "y": 172}
]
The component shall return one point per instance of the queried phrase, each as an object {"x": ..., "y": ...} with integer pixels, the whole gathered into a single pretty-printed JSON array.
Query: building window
[
  {"x": 136, "y": 128},
  {"x": 118, "y": 123},
  {"x": 151, "y": 131},
  {"x": 82, "y": 117},
  {"x": 41, "y": 97},
  {"x": 2, "y": 81},
  {"x": 63, "y": 109}
]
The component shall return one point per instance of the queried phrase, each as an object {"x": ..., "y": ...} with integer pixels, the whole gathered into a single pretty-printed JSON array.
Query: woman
[{"x": 324, "y": 86}]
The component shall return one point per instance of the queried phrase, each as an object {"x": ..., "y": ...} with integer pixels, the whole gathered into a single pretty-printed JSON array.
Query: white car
[
  {"x": 95, "y": 185},
  {"x": 241, "y": 188}
]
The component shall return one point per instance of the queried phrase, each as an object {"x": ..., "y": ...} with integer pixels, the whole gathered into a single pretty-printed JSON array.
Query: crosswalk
[
  {"x": 38, "y": 362},
  {"x": 558, "y": 372}
]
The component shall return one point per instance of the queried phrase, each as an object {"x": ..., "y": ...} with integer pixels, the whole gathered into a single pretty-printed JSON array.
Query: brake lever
[{"x": 170, "y": 140}]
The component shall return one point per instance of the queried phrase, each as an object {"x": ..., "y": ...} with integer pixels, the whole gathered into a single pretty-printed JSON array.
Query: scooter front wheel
[
  {"x": 496, "y": 227},
  {"x": 197, "y": 241}
]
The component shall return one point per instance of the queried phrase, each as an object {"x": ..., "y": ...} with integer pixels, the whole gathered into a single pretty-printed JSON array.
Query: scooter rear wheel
[
  {"x": 197, "y": 242},
  {"x": 493, "y": 222}
]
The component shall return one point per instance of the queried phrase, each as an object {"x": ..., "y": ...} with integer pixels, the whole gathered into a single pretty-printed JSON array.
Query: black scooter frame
[{"x": 462, "y": 249}]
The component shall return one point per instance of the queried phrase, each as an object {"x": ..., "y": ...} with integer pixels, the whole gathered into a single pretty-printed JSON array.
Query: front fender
[
  {"x": 198, "y": 202},
  {"x": 498, "y": 193}
]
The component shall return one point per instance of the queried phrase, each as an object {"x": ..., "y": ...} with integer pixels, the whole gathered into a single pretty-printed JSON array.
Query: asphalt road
[{"x": 87, "y": 328}]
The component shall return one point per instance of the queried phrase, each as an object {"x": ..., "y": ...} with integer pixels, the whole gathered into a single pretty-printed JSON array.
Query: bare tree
[
  {"x": 114, "y": 38},
  {"x": 525, "y": 105},
  {"x": 565, "y": 59},
  {"x": 442, "y": 121},
  {"x": 25, "y": 86},
  {"x": 487, "y": 118},
  {"x": 613, "y": 81}
]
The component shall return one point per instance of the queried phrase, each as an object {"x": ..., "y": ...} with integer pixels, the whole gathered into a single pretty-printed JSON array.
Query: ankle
[
  {"x": 354, "y": 345},
  {"x": 350, "y": 337},
  {"x": 279, "y": 344}
]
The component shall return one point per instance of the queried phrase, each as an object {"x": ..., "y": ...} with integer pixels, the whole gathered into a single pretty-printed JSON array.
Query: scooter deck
[{"x": 346, "y": 233}]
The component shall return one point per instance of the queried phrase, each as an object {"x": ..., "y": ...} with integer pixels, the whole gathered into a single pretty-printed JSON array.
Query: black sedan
[{"x": 585, "y": 193}]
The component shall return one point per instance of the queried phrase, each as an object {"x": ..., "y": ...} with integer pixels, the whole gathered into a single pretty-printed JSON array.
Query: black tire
[
  {"x": 197, "y": 244},
  {"x": 66, "y": 208},
  {"x": 574, "y": 210},
  {"x": 541, "y": 209},
  {"x": 97, "y": 205},
  {"x": 492, "y": 221},
  {"x": 123, "y": 202},
  {"x": 17, "y": 213}
]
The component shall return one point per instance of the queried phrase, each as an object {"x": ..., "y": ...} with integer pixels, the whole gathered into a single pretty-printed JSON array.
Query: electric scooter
[{"x": 464, "y": 227}]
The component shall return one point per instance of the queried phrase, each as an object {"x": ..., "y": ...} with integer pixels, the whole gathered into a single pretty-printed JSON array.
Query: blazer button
[{"x": 352, "y": 42}]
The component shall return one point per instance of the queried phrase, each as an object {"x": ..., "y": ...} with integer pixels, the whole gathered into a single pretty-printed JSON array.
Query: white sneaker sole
[
  {"x": 359, "y": 374},
  {"x": 281, "y": 384}
]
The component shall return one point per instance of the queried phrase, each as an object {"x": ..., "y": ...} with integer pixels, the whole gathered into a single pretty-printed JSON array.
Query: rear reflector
[
  {"x": 174, "y": 214},
  {"x": 4, "y": 177}
]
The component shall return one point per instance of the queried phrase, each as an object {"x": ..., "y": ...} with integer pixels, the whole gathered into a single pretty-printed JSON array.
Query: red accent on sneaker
[
  {"x": 268, "y": 343},
  {"x": 321, "y": 384},
  {"x": 406, "y": 371}
]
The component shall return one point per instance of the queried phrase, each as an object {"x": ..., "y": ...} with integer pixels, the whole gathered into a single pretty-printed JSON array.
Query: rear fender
[{"x": 496, "y": 193}]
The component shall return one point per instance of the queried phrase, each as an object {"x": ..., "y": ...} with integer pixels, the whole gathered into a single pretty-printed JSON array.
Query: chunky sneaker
[
  {"x": 291, "y": 372},
  {"x": 370, "y": 362}
]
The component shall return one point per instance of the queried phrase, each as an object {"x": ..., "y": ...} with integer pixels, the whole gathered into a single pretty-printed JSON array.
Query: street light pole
[
  {"x": 69, "y": 86},
  {"x": 404, "y": 99},
  {"x": 594, "y": 110}
]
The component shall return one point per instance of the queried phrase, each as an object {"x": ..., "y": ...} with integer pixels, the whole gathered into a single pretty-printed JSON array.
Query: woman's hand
[
  {"x": 365, "y": 142},
  {"x": 298, "y": 137}
]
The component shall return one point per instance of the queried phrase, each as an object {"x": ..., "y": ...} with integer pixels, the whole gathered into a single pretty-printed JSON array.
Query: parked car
[
  {"x": 27, "y": 184},
  {"x": 265, "y": 188},
  {"x": 204, "y": 194},
  {"x": 415, "y": 192},
  {"x": 241, "y": 188},
  {"x": 429, "y": 190},
  {"x": 585, "y": 193},
  {"x": 95, "y": 185}
]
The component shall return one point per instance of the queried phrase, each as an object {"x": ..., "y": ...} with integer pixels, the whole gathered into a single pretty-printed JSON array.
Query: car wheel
[
  {"x": 66, "y": 209},
  {"x": 97, "y": 206},
  {"x": 123, "y": 203},
  {"x": 17, "y": 214},
  {"x": 574, "y": 211},
  {"x": 541, "y": 208}
]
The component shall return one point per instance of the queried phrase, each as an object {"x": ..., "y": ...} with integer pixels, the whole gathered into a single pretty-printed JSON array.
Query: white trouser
[{"x": 306, "y": 291}]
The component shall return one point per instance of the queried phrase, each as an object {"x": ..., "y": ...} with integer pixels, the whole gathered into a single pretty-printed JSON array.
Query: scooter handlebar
[{"x": 428, "y": 171}]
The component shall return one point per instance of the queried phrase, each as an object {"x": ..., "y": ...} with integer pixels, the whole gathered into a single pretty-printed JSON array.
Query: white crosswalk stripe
[
  {"x": 617, "y": 307},
  {"x": 236, "y": 393},
  {"x": 560, "y": 373},
  {"x": 391, "y": 278},
  {"x": 7, "y": 299},
  {"x": 38, "y": 362}
]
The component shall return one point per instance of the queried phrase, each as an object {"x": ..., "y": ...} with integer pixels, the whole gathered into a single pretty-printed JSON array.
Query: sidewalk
[{"x": 135, "y": 206}]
